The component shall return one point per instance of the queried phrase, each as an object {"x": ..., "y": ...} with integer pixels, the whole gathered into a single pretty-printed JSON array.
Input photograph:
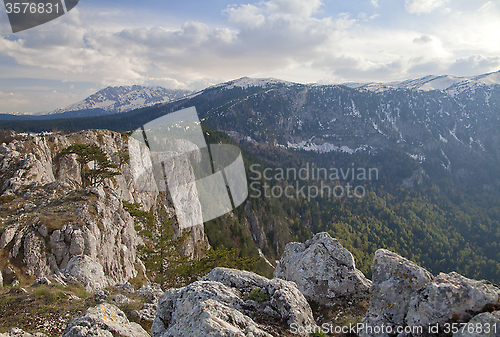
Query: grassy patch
[{"x": 258, "y": 295}]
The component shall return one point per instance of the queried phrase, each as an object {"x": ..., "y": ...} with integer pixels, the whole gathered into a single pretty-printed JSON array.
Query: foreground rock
[
  {"x": 451, "y": 297},
  {"x": 104, "y": 320},
  {"x": 483, "y": 325},
  {"x": 406, "y": 295},
  {"x": 20, "y": 333},
  {"x": 150, "y": 293},
  {"x": 230, "y": 302},
  {"x": 323, "y": 270},
  {"x": 395, "y": 281}
]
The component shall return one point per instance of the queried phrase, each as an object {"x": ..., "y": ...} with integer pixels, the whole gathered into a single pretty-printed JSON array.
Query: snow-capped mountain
[
  {"x": 248, "y": 82},
  {"x": 125, "y": 98},
  {"x": 451, "y": 85}
]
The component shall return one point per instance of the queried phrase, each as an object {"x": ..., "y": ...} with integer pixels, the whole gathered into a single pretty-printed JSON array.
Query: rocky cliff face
[{"x": 54, "y": 227}]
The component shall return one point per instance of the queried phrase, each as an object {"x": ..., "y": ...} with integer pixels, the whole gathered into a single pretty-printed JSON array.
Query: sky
[{"x": 192, "y": 44}]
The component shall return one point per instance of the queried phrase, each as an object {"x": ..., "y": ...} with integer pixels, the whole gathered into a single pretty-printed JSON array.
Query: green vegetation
[
  {"x": 258, "y": 295},
  {"x": 162, "y": 252},
  {"x": 101, "y": 168},
  {"x": 31, "y": 311},
  {"x": 439, "y": 223},
  {"x": 135, "y": 211},
  {"x": 123, "y": 157}
]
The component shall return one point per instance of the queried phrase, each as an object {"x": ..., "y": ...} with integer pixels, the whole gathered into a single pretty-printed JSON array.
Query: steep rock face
[
  {"x": 395, "y": 281},
  {"x": 451, "y": 297},
  {"x": 104, "y": 320},
  {"x": 49, "y": 219},
  {"x": 219, "y": 305},
  {"x": 323, "y": 270}
]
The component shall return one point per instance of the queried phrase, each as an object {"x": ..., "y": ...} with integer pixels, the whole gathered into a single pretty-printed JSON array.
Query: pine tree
[{"x": 100, "y": 167}]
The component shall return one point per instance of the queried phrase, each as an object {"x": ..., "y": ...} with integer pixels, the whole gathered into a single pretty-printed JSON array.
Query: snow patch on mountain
[
  {"x": 324, "y": 148},
  {"x": 247, "y": 82},
  {"x": 452, "y": 85},
  {"x": 125, "y": 98}
]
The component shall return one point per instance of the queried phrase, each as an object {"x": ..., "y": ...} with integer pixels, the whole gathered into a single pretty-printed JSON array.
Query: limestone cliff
[{"x": 52, "y": 226}]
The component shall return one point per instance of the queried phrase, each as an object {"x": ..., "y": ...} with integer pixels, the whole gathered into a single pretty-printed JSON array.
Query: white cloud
[
  {"x": 374, "y": 3},
  {"x": 293, "y": 40},
  {"x": 303, "y": 8},
  {"x": 248, "y": 16},
  {"x": 423, "y": 6},
  {"x": 422, "y": 39},
  {"x": 474, "y": 64}
]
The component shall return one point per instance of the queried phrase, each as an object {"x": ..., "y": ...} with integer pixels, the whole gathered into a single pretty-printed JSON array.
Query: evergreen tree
[{"x": 100, "y": 167}]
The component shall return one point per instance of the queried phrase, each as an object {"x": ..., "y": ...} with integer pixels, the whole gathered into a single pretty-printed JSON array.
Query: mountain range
[
  {"x": 109, "y": 100},
  {"x": 435, "y": 142}
]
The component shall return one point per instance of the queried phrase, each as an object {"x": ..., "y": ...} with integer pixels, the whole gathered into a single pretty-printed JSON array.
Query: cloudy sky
[{"x": 191, "y": 44}]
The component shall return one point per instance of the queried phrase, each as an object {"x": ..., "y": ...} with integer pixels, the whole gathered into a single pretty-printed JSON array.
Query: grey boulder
[
  {"x": 88, "y": 271},
  {"x": 451, "y": 297},
  {"x": 218, "y": 305},
  {"x": 395, "y": 281},
  {"x": 104, "y": 320},
  {"x": 483, "y": 325},
  {"x": 323, "y": 270}
]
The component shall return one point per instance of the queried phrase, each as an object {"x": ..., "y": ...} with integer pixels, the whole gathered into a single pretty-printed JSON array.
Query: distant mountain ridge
[
  {"x": 451, "y": 85},
  {"x": 124, "y": 98}
]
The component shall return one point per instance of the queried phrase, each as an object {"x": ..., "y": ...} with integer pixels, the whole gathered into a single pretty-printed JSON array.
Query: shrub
[{"x": 258, "y": 295}]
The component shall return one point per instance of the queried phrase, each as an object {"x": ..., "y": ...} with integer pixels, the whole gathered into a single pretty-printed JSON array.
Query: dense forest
[{"x": 413, "y": 210}]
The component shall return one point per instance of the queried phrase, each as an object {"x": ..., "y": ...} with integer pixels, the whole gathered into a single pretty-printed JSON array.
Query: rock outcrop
[
  {"x": 148, "y": 310},
  {"x": 221, "y": 304},
  {"x": 50, "y": 219},
  {"x": 451, "y": 297},
  {"x": 88, "y": 271},
  {"x": 395, "y": 281},
  {"x": 483, "y": 325},
  {"x": 104, "y": 320},
  {"x": 150, "y": 293},
  {"x": 323, "y": 270},
  {"x": 404, "y": 295}
]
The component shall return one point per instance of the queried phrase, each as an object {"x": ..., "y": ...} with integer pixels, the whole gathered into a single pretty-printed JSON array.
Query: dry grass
[
  {"x": 49, "y": 309},
  {"x": 140, "y": 280},
  {"x": 42, "y": 308}
]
